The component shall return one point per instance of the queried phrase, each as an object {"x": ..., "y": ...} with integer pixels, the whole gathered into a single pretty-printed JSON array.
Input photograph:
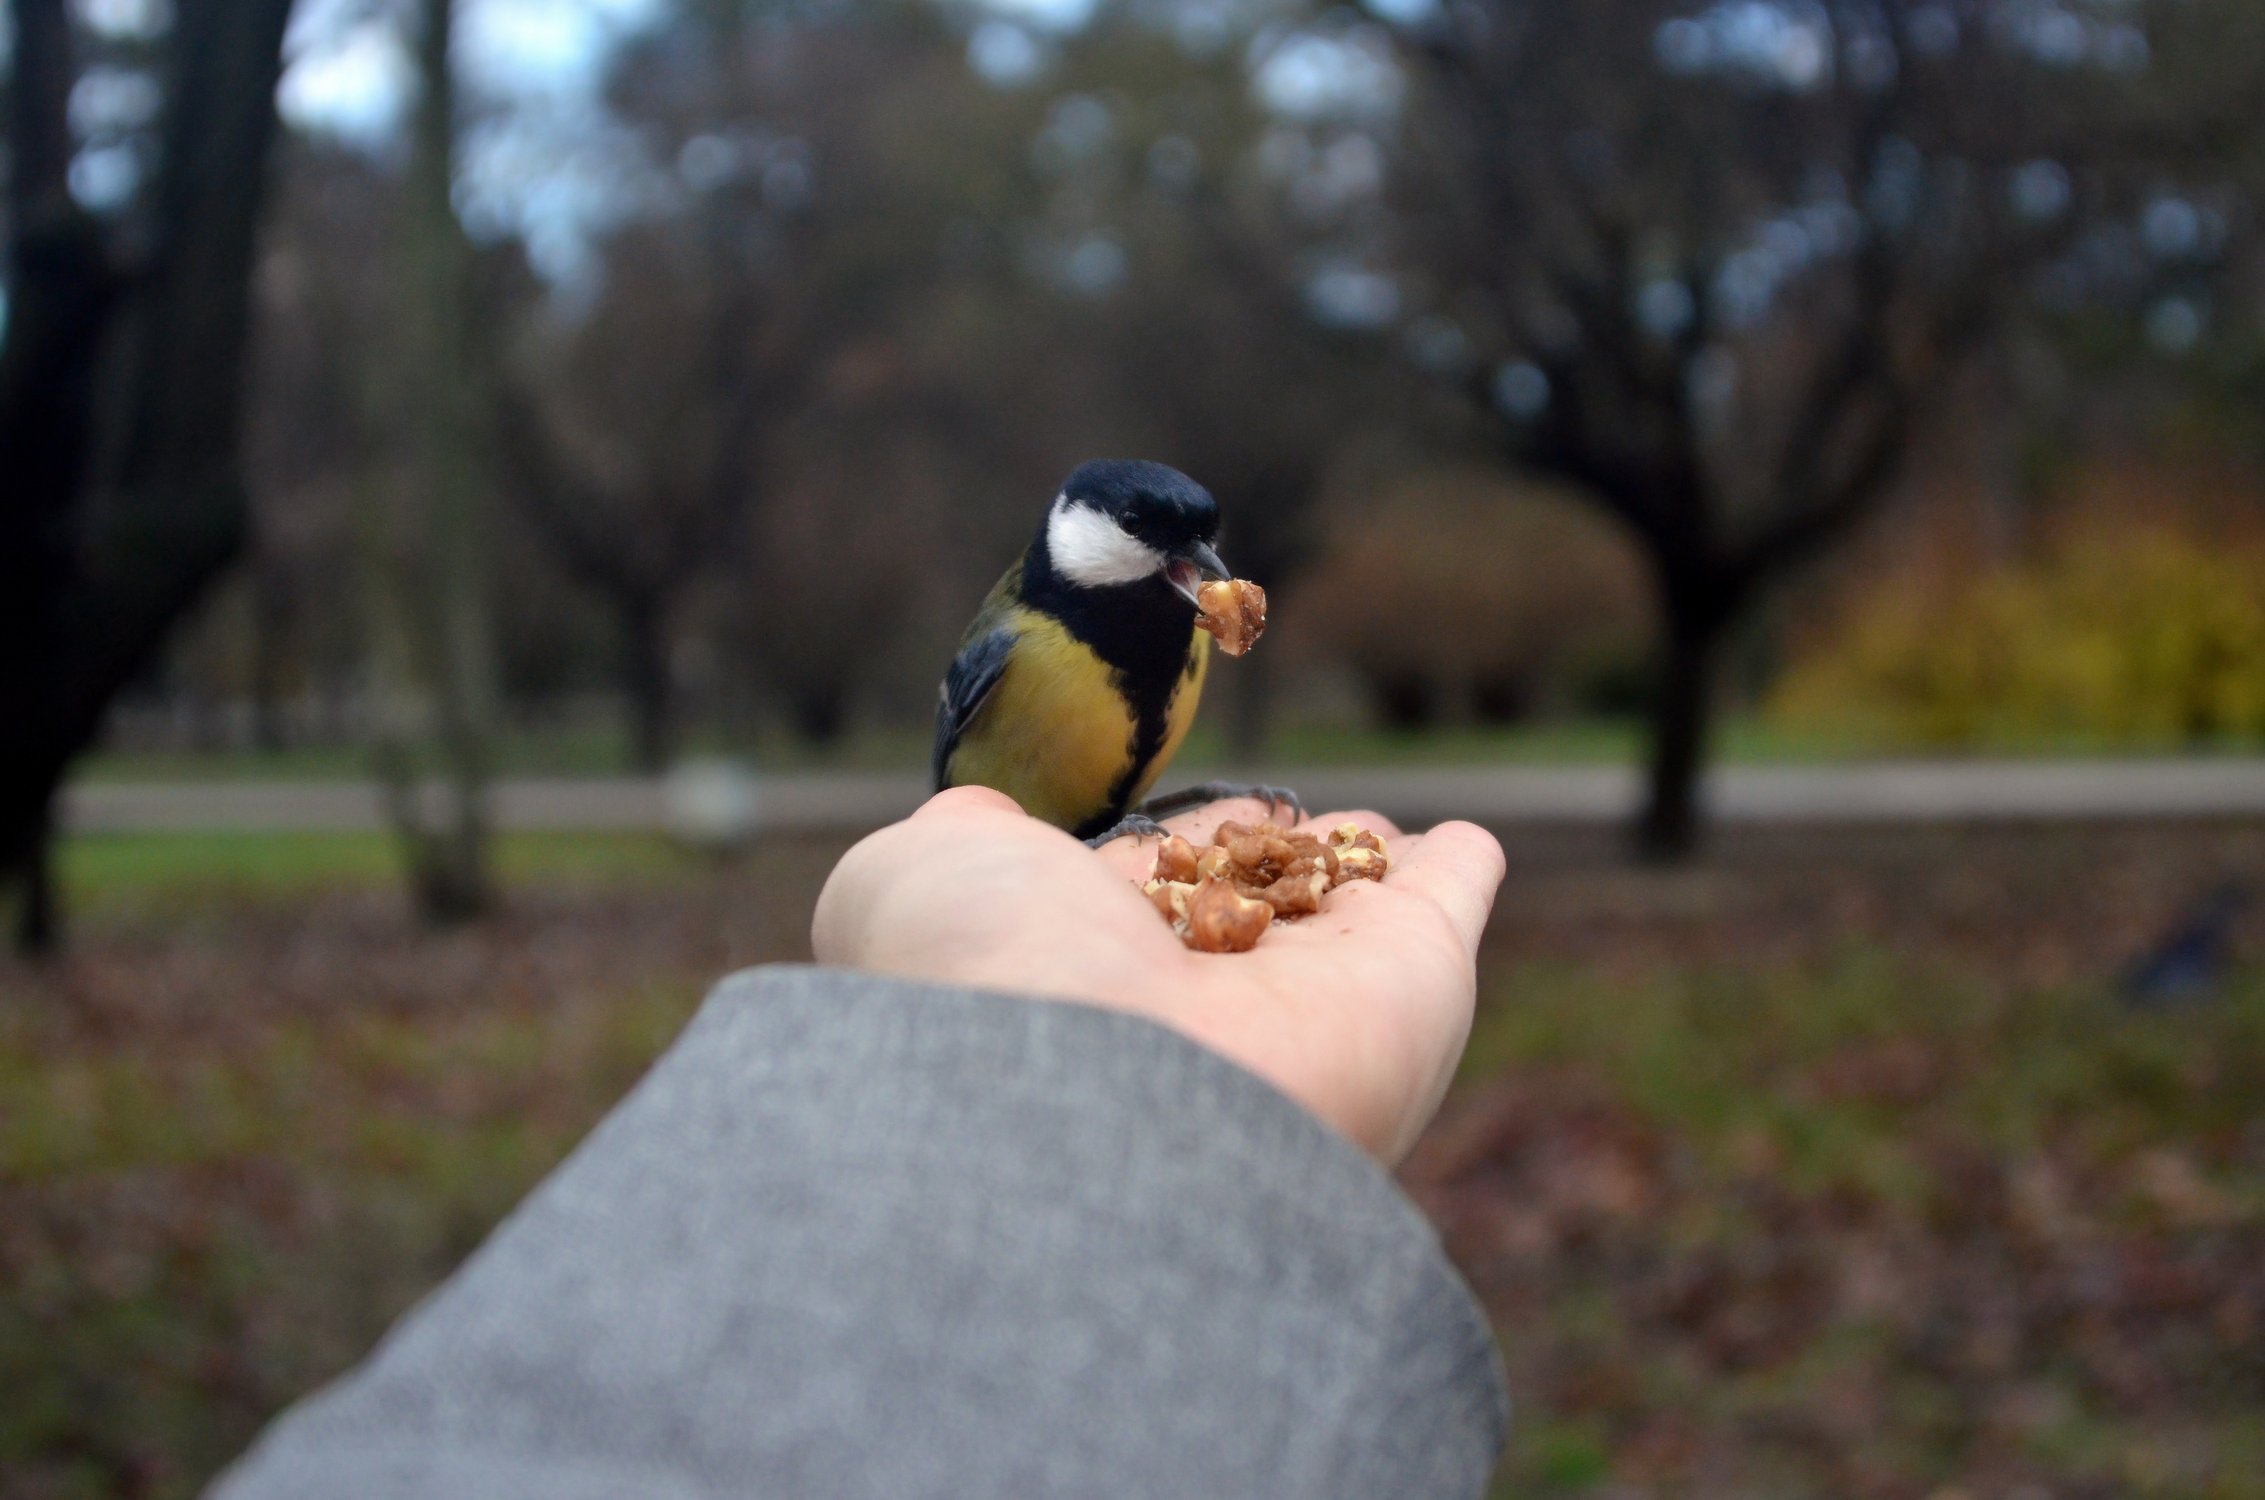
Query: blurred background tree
[
  {"x": 137, "y": 169},
  {"x": 654, "y": 438},
  {"x": 1717, "y": 266},
  {"x": 427, "y": 525},
  {"x": 775, "y": 324}
]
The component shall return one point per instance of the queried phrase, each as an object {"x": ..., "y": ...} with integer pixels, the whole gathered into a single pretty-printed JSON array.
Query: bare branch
[{"x": 560, "y": 500}]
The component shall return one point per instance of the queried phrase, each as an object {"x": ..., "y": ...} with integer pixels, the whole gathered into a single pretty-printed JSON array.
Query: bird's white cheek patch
[{"x": 1091, "y": 550}]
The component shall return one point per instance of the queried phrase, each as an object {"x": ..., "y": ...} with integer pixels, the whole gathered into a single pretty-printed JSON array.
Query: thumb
[{"x": 967, "y": 799}]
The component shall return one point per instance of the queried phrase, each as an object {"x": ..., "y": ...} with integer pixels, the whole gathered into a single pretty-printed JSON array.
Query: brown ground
[{"x": 1828, "y": 1167}]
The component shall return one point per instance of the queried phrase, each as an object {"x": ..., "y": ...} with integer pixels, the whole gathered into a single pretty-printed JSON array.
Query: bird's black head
[{"x": 1124, "y": 521}]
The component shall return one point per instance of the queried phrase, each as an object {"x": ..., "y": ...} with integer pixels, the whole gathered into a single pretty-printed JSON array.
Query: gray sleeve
[{"x": 858, "y": 1238}]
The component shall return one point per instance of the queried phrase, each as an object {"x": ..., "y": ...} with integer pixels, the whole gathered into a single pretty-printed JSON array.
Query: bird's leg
[
  {"x": 1275, "y": 798},
  {"x": 1142, "y": 824},
  {"x": 1139, "y": 825}
]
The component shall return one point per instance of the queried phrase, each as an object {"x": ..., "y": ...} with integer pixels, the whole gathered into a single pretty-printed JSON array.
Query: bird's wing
[{"x": 974, "y": 673}]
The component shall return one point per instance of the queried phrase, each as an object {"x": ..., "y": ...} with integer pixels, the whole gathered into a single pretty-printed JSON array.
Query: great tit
[{"x": 1081, "y": 673}]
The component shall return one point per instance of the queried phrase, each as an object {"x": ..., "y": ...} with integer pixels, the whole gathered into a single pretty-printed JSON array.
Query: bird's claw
[
  {"x": 1138, "y": 824},
  {"x": 1275, "y": 798}
]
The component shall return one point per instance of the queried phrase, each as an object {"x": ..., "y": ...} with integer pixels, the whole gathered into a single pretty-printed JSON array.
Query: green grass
[{"x": 224, "y": 867}]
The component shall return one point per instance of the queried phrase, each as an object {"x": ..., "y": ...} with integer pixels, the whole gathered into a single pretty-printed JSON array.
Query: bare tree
[
  {"x": 427, "y": 541},
  {"x": 638, "y": 445},
  {"x": 1715, "y": 263},
  {"x": 121, "y": 391},
  {"x": 321, "y": 321},
  {"x": 803, "y": 190},
  {"x": 1181, "y": 276}
]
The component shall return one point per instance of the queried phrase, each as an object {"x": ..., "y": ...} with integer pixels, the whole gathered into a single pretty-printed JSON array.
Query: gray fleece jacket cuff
[{"x": 858, "y": 1237}]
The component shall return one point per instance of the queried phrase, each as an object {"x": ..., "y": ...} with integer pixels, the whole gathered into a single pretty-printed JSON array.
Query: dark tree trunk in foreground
[{"x": 113, "y": 524}]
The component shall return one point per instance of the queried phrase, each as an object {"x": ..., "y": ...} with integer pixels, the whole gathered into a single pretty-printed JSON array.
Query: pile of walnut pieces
[
  {"x": 1223, "y": 898},
  {"x": 1234, "y": 611}
]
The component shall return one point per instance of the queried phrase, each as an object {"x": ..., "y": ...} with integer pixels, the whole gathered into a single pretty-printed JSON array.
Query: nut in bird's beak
[{"x": 1186, "y": 572}]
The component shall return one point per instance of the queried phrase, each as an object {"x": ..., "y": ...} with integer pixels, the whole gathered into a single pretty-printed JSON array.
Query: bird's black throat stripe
[
  {"x": 1144, "y": 632},
  {"x": 1147, "y": 739}
]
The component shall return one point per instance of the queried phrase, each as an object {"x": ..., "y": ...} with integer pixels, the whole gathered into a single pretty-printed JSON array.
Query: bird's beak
[{"x": 1194, "y": 565}]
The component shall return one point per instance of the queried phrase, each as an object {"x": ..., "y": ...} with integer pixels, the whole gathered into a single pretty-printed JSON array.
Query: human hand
[{"x": 1358, "y": 1012}]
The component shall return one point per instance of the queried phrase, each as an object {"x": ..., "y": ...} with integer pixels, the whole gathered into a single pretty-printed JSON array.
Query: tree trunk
[
  {"x": 452, "y": 883},
  {"x": 819, "y": 712},
  {"x": 271, "y": 647},
  {"x": 1405, "y": 701},
  {"x": 1272, "y": 543},
  {"x": 1682, "y": 717},
  {"x": 63, "y": 298},
  {"x": 1502, "y": 698},
  {"x": 647, "y": 685},
  {"x": 431, "y": 643},
  {"x": 88, "y": 593},
  {"x": 38, "y": 915}
]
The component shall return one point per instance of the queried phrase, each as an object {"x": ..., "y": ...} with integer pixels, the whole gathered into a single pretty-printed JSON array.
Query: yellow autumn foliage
[{"x": 2143, "y": 636}]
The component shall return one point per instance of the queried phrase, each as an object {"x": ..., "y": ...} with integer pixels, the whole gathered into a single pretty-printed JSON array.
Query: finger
[
  {"x": 965, "y": 799},
  {"x": 846, "y": 896},
  {"x": 1458, "y": 867}
]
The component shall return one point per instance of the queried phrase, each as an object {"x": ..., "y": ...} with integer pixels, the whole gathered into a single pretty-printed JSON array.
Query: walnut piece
[
  {"x": 1170, "y": 898},
  {"x": 1175, "y": 861},
  {"x": 1220, "y": 899},
  {"x": 1295, "y": 895},
  {"x": 1234, "y": 611},
  {"x": 1353, "y": 836},
  {"x": 1223, "y": 920},
  {"x": 1360, "y": 864}
]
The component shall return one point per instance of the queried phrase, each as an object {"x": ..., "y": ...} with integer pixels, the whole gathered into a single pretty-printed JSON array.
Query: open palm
[{"x": 1358, "y": 1012}]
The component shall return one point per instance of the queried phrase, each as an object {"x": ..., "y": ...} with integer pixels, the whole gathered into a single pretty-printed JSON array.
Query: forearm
[{"x": 859, "y": 1237}]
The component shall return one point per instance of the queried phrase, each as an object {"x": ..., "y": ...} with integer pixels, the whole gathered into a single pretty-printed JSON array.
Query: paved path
[{"x": 1900, "y": 792}]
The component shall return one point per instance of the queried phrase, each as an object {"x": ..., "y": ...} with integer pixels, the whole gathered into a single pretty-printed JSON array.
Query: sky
[
  {"x": 547, "y": 167},
  {"x": 550, "y": 167},
  {"x": 348, "y": 71},
  {"x": 349, "y": 75}
]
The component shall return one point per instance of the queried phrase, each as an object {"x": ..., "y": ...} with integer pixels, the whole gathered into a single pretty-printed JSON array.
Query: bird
[
  {"x": 1081, "y": 672},
  {"x": 2188, "y": 961}
]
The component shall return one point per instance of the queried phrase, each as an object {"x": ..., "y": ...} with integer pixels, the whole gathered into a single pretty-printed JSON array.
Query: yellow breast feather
[{"x": 1056, "y": 734}]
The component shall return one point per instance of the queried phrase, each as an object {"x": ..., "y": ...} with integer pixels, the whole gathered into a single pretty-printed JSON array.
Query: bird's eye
[{"x": 1143, "y": 524}]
